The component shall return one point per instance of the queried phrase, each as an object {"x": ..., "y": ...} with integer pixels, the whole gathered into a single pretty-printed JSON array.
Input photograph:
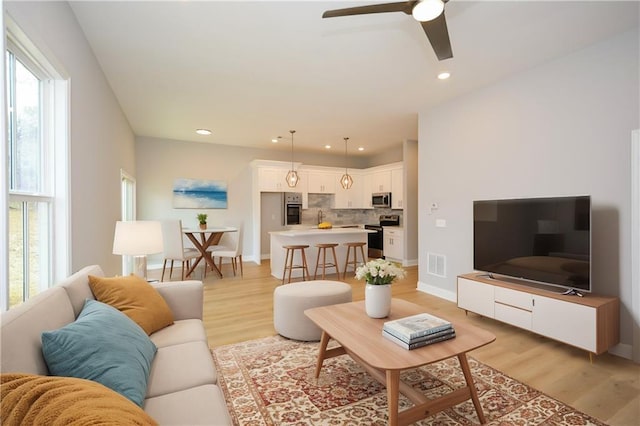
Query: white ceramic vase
[{"x": 377, "y": 300}]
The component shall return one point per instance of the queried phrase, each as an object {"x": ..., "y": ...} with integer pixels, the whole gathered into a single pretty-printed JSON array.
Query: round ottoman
[{"x": 291, "y": 300}]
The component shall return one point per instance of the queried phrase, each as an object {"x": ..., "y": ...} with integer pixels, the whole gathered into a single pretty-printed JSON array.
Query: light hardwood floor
[{"x": 238, "y": 309}]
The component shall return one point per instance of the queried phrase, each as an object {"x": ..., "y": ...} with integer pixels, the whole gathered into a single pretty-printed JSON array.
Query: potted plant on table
[
  {"x": 379, "y": 275},
  {"x": 202, "y": 219}
]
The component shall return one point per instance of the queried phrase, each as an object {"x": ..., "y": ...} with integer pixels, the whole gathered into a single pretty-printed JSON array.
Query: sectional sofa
[{"x": 181, "y": 387}]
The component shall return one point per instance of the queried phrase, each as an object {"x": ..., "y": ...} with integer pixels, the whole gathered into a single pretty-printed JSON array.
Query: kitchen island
[{"x": 311, "y": 237}]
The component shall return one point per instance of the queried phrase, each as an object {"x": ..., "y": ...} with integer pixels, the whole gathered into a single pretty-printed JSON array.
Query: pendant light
[
  {"x": 346, "y": 180},
  {"x": 292, "y": 176}
]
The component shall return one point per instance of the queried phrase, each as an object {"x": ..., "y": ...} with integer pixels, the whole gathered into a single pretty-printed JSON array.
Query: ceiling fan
[{"x": 430, "y": 13}]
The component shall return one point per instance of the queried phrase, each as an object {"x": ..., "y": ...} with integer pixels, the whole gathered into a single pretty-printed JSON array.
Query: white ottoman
[{"x": 291, "y": 300}]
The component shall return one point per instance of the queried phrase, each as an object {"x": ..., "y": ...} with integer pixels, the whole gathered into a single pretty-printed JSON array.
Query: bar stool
[
  {"x": 323, "y": 248},
  {"x": 354, "y": 262},
  {"x": 288, "y": 261}
]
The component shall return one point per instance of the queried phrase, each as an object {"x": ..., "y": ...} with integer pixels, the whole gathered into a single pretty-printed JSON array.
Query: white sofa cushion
[
  {"x": 183, "y": 331},
  {"x": 23, "y": 325},
  {"x": 180, "y": 367},
  {"x": 202, "y": 405},
  {"x": 185, "y": 298}
]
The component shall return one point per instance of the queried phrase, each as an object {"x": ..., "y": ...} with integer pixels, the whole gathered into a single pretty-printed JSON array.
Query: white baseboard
[
  {"x": 438, "y": 292},
  {"x": 622, "y": 350}
]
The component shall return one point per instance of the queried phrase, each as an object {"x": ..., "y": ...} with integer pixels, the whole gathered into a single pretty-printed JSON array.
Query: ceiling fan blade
[
  {"x": 405, "y": 6},
  {"x": 438, "y": 35}
]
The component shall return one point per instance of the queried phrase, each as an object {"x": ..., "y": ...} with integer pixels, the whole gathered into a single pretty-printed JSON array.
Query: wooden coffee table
[{"x": 361, "y": 338}]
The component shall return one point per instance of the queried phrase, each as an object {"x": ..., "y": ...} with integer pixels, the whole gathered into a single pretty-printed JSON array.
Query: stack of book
[{"x": 418, "y": 330}]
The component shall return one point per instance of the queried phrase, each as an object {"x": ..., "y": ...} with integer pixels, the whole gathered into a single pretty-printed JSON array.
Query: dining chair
[
  {"x": 174, "y": 248},
  {"x": 230, "y": 246}
]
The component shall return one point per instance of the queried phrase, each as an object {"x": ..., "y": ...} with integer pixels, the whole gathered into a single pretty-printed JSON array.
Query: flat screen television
[{"x": 542, "y": 240}]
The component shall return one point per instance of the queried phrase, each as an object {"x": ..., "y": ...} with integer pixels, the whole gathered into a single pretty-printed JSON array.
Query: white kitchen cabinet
[
  {"x": 352, "y": 198},
  {"x": 393, "y": 243},
  {"x": 380, "y": 181},
  {"x": 273, "y": 179},
  {"x": 321, "y": 182},
  {"x": 397, "y": 188},
  {"x": 590, "y": 322}
]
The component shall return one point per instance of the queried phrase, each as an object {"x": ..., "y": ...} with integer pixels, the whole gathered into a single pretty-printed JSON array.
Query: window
[
  {"x": 128, "y": 202},
  {"x": 36, "y": 99}
]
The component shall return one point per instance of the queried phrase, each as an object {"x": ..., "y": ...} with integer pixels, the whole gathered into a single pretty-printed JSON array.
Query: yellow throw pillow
[
  {"x": 136, "y": 298},
  {"x": 29, "y": 399}
]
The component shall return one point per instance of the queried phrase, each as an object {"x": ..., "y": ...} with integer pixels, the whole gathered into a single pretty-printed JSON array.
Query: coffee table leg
[
  {"x": 393, "y": 394},
  {"x": 324, "y": 341},
  {"x": 464, "y": 364}
]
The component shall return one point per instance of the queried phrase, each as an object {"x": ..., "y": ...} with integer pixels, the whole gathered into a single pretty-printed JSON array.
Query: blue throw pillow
[{"x": 103, "y": 345}]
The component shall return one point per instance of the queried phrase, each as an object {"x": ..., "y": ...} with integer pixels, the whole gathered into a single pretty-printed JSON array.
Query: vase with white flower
[{"x": 378, "y": 274}]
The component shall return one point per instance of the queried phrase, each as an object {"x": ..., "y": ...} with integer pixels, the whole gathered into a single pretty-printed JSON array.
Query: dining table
[{"x": 202, "y": 239}]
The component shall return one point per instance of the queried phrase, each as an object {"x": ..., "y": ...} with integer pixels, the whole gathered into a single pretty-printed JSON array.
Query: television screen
[{"x": 546, "y": 240}]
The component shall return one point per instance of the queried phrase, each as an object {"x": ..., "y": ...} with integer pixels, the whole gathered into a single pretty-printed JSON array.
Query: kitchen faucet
[{"x": 320, "y": 214}]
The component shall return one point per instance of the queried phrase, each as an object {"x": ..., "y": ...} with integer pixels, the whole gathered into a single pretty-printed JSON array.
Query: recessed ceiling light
[
  {"x": 360, "y": 148},
  {"x": 327, "y": 146},
  {"x": 444, "y": 75},
  {"x": 204, "y": 132}
]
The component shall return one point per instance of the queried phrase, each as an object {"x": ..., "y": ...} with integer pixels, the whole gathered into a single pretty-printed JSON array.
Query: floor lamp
[{"x": 138, "y": 238}]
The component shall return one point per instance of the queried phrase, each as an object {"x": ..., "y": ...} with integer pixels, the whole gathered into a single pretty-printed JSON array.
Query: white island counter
[{"x": 311, "y": 237}]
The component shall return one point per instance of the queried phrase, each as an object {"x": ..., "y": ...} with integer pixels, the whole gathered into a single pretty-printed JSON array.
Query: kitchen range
[{"x": 376, "y": 240}]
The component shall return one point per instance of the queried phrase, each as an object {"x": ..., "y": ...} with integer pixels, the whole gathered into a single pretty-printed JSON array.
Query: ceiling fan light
[{"x": 427, "y": 10}]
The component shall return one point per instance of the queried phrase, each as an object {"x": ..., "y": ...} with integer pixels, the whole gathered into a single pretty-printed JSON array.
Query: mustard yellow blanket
[{"x": 27, "y": 399}]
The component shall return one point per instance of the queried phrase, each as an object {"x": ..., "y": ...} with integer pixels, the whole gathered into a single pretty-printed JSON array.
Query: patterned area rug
[{"x": 271, "y": 381}]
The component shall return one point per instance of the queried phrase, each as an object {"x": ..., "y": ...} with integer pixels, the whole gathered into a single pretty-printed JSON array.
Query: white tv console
[{"x": 590, "y": 322}]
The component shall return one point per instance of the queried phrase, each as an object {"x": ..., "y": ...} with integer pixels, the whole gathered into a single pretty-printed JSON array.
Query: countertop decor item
[
  {"x": 202, "y": 220},
  {"x": 379, "y": 274}
]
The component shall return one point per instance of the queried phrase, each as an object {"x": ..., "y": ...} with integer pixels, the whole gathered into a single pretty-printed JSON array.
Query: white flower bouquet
[{"x": 379, "y": 272}]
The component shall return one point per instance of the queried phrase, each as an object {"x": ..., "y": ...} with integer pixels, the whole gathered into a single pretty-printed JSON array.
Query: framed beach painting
[{"x": 199, "y": 194}]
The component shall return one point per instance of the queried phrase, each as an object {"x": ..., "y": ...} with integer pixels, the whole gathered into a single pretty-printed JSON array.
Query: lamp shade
[{"x": 137, "y": 238}]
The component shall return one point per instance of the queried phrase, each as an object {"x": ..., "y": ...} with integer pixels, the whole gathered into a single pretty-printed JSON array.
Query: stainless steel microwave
[{"x": 381, "y": 199}]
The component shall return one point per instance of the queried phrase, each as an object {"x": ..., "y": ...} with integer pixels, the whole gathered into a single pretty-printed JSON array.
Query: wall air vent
[{"x": 436, "y": 264}]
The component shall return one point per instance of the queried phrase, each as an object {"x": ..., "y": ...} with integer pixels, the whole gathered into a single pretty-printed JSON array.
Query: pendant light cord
[
  {"x": 346, "y": 157},
  {"x": 292, "y": 132}
]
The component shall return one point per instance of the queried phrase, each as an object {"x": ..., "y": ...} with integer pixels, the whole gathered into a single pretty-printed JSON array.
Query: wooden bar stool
[
  {"x": 323, "y": 248},
  {"x": 288, "y": 261},
  {"x": 354, "y": 262}
]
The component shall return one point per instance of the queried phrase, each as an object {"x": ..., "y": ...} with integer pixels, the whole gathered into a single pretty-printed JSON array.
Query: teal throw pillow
[{"x": 103, "y": 345}]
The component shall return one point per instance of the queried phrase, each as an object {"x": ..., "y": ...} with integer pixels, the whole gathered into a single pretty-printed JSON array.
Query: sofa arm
[{"x": 185, "y": 298}]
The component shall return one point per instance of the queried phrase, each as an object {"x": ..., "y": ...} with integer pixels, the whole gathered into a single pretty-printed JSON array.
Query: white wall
[
  {"x": 563, "y": 128},
  {"x": 101, "y": 141}
]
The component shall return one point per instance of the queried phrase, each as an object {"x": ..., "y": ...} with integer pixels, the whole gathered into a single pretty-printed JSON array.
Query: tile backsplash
[{"x": 323, "y": 202}]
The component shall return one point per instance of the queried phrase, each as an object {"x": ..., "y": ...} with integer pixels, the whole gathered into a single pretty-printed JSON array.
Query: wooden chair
[
  {"x": 353, "y": 246},
  {"x": 288, "y": 261},
  {"x": 323, "y": 248}
]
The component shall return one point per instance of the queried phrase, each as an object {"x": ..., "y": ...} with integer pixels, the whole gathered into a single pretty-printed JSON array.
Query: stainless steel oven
[
  {"x": 375, "y": 240},
  {"x": 292, "y": 208}
]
